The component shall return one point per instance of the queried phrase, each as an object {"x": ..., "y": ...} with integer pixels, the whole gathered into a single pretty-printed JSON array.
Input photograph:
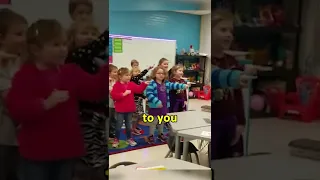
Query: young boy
[{"x": 81, "y": 10}]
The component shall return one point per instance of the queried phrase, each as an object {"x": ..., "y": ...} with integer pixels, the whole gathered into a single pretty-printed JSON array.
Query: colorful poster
[
  {"x": 117, "y": 45},
  {"x": 110, "y": 50}
]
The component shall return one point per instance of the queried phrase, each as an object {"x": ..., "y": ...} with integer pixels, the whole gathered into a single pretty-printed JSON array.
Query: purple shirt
[{"x": 162, "y": 96}]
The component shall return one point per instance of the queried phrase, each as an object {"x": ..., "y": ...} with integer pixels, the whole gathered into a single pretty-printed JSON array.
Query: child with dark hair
[{"x": 81, "y": 10}]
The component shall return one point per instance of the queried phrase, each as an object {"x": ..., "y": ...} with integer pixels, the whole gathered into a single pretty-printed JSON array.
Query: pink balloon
[
  {"x": 190, "y": 94},
  {"x": 257, "y": 102}
]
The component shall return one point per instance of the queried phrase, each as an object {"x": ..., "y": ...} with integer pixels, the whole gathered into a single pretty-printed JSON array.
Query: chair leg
[
  {"x": 190, "y": 157},
  {"x": 168, "y": 154},
  {"x": 197, "y": 158}
]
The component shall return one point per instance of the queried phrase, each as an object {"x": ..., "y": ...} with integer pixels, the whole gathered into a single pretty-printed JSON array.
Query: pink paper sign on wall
[{"x": 110, "y": 59}]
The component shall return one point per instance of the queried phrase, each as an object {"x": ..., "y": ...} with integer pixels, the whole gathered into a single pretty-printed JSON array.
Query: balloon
[
  {"x": 257, "y": 103},
  {"x": 190, "y": 94}
]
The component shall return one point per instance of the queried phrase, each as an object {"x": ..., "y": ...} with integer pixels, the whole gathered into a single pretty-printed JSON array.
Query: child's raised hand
[
  {"x": 127, "y": 92},
  {"x": 150, "y": 67},
  {"x": 55, "y": 98}
]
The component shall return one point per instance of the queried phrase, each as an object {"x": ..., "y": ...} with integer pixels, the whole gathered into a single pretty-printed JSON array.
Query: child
[
  {"x": 85, "y": 45},
  {"x": 227, "y": 109},
  {"x": 136, "y": 77},
  {"x": 163, "y": 62},
  {"x": 158, "y": 99},
  {"x": 123, "y": 95},
  {"x": 134, "y": 63},
  {"x": 113, "y": 76},
  {"x": 12, "y": 43},
  {"x": 80, "y": 10},
  {"x": 178, "y": 98},
  {"x": 44, "y": 99}
]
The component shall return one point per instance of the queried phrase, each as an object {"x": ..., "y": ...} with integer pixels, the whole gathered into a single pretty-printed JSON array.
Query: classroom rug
[{"x": 141, "y": 142}]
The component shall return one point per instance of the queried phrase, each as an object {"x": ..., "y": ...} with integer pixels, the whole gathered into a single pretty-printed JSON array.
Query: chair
[
  {"x": 124, "y": 163},
  {"x": 304, "y": 103},
  {"x": 205, "y": 94},
  {"x": 192, "y": 149}
]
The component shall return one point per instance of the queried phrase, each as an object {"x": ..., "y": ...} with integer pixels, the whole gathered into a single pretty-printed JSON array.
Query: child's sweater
[
  {"x": 54, "y": 134},
  {"x": 137, "y": 79},
  {"x": 178, "y": 94},
  {"x": 8, "y": 129},
  {"x": 126, "y": 104},
  {"x": 111, "y": 84},
  {"x": 152, "y": 93}
]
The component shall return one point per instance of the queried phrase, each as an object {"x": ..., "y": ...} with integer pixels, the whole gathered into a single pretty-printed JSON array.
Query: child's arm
[
  {"x": 138, "y": 77},
  {"x": 21, "y": 103},
  {"x": 91, "y": 87},
  {"x": 151, "y": 97},
  {"x": 138, "y": 89},
  {"x": 91, "y": 50},
  {"x": 173, "y": 86},
  {"x": 116, "y": 94},
  {"x": 224, "y": 78}
]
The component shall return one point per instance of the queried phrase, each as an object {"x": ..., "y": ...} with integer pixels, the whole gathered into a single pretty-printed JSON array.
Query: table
[
  {"x": 188, "y": 120},
  {"x": 267, "y": 167},
  {"x": 191, "y": 134},
  {"x": 182, "y": 170}
]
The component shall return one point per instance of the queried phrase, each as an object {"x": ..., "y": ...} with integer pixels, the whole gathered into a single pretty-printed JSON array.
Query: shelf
[{"x": 193, "y": 71}]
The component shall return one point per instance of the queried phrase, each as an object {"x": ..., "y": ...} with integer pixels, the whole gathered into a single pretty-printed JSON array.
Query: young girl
[
  {"x": 178, "y": 98},
  {"x": 164, "y": 63},
  {"x": 136, "y": 77},
  {"x": 123, "y": 95},
  {"x": 44, "y": 99},
  {"x": 134, "y": 63},
  {"x": 12, "y": 43},
  {"x": 158, "y": 99},
  {"x": 113, "y": 76},
  {"x": 227, "y": 109},
  {"x": 85, "y": 45},
  {"x": 81, "y": 10}
]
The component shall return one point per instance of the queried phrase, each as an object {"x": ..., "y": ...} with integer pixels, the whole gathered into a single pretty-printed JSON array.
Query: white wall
[
  {"x": 205, "y": 43},
  {"x": 58, "y": 9}
]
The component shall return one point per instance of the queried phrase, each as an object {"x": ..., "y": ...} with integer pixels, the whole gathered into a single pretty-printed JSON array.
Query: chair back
[{"x": 308, "y": 90}]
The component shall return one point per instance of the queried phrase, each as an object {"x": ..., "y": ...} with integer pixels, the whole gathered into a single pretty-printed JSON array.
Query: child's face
[
  {"x": 84, "y": 36},
  {"x": 113, "y": 74},
  {"x": 53, "y": 52},
  {"x": 179, "y": 72},
  {"x": 222, "y": 35},
  {"x": 125, "y": 78},
  {"x": 135, "y": 72},
  {"x": 135, "y": 65},
  {"x": 14, "y": 41},
  {"x": 82, "y": 13},
  {"x": 165, "y": 64},
  {"x": 160, "y": 75}
]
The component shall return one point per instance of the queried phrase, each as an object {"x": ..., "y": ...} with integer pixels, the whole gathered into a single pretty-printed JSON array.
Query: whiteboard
[{"x": 147, "y": 51}]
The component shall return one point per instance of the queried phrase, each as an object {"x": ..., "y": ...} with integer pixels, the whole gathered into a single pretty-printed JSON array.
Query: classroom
[{"x": 181, "y": 37}]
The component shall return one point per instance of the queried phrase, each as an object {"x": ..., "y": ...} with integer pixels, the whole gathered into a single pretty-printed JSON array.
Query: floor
[
  {"x": 158, "y": 152},
  {"x": 266, "y": 135}
]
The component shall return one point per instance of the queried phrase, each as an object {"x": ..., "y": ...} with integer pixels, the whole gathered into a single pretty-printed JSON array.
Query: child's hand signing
[
  {"x": 245, "y": 79},
  {"x": 253, "y": 69},
  {"x": 55, "y": 98},
  {"x": 127, "y": 92},
  {"x": 160, "y": 106},
  {"x": 150, "y": 67},
  {"x": 147, "y": 82}
]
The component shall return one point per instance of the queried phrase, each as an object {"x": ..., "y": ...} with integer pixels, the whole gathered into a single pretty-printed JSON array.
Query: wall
[
  {"x": 58, "y": 9},
  {"x": 185, "y": 28},
  {"x": 205, "y": 43}
]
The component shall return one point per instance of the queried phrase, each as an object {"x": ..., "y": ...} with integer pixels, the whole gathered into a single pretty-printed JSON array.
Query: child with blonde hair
[
  {"x": 123, "y": 95},
  {"x": 12, "y": 43},
  {"x": 178, "y": 98},
  {"x": 136, "y": 77},
  {"x": 44, "y": 99},
  {"x": 113, "y": 76},
  {"x": 157, "y": 93},
  {"x": 81, "y": 10},
  {"x": 86, "y": 45}
]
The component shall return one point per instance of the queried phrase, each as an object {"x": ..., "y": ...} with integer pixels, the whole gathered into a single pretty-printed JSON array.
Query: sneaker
[
  {"x": 162, "y": 138},
  {"x": 136, "y": 132},
  {"x": 151, "y": 139},
  {"x": 131, "y": 142},
  {"x": 115, "y": 143}
]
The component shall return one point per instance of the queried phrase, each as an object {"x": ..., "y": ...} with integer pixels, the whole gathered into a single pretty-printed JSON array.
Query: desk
[
  {"x": 188, "y": 120},
  {"x": 182, "y": 170},
  {"x": 191, "y": 134},
  {"x": 267, "y": 167}
]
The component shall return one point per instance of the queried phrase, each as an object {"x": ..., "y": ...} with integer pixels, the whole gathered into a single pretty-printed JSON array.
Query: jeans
[
  {"x": 127, "y": 117},
  {"x": 46, "y": 170}
]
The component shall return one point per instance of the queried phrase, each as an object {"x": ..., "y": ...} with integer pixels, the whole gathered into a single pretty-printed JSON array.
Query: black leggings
[{"x": 9, "y": 162}]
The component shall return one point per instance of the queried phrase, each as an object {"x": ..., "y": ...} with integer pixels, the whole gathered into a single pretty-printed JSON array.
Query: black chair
[
  {"x": 124, "y": 163},
  {"x": 191, "y": 149}
]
